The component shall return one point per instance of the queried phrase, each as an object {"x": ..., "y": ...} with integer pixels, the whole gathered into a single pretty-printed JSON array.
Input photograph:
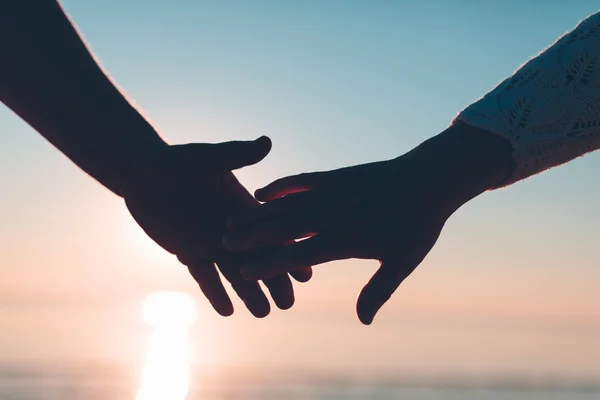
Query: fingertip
[
  {"x": 260, "y": 195},
  {"x": 267, "y": 193},
  {"x": 261, "y": 315},
  {"x": 246, "y": 153},
  {"x": 224, "y": 311},
  {"x": 260, "y": 312},
  {"x": 265, "y": 144},
  {"x": 365, "y": 318},
  {"x": 283, "y": 302},
  {"x": 302, "y": 275},
  {"x": 281, "y": 290},
  {"x": 227, "y": 313},
  {"x": 286, "y": 305},
  {"x": 364, "y": 309},
  {"x": 265, "y": 140}
]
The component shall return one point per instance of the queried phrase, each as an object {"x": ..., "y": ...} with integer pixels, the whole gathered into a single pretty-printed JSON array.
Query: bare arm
[
  {"x": 180, "y": 195},
  {"x": 51, "y": 80}
]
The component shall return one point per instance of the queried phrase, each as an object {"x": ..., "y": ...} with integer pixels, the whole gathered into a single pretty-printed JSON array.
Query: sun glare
[
  {"x": 169, "y": 309},
  {"x": 166, "y": 372}
]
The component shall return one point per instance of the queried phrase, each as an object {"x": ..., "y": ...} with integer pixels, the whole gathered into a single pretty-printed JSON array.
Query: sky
[{"x": 511, "y": 287}]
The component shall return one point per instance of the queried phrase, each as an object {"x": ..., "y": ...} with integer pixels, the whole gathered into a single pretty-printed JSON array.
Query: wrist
[
  {"x": 464, "y": 162},
  {"x": 140, "y": 158}
]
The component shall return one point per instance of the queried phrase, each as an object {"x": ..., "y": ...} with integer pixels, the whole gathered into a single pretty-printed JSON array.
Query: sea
[{"x": 105, "y": 384}]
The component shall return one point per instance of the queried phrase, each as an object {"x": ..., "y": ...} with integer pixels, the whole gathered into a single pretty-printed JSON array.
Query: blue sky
[{"x": 333, "y": 83}]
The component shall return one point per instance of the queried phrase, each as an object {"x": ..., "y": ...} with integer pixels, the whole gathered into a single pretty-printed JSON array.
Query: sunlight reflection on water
[{"x": 166, "y": 372}]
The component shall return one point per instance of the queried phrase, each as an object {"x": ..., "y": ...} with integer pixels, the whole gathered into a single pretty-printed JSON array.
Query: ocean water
[
  {"x": 35, "y": 393},
  {"x": 91, "y": 384}
]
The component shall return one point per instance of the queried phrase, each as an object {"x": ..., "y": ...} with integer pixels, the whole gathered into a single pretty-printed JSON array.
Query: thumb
[
  {"x": 379, "y": 289},
  {"x": 224, "y": 156}
]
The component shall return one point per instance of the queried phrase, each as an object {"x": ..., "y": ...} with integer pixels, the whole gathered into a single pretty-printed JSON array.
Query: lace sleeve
[{"x": 549, "y": 109}]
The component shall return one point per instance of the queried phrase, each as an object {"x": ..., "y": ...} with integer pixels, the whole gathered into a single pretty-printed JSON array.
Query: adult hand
[
  {"x": 392, "y": 211},
  {"x": 182, "y": 197},
  {"x": 367, "y": 211}
]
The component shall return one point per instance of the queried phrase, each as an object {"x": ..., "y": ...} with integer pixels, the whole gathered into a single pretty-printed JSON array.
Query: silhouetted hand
[
  {"x": 392, "y": 211},
  {"x": 182, "y": 197},
  {"x": 382, "y": 211}
]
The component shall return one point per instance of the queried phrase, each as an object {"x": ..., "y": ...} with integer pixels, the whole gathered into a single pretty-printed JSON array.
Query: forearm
[
  {"x": 49, "y": 78},
  {"x": 461, "y": 163}
]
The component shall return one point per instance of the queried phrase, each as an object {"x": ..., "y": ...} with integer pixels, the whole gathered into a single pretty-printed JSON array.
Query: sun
[
  {"x": 166, "y": 372},
  {"x": 169, "y": 310}
]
